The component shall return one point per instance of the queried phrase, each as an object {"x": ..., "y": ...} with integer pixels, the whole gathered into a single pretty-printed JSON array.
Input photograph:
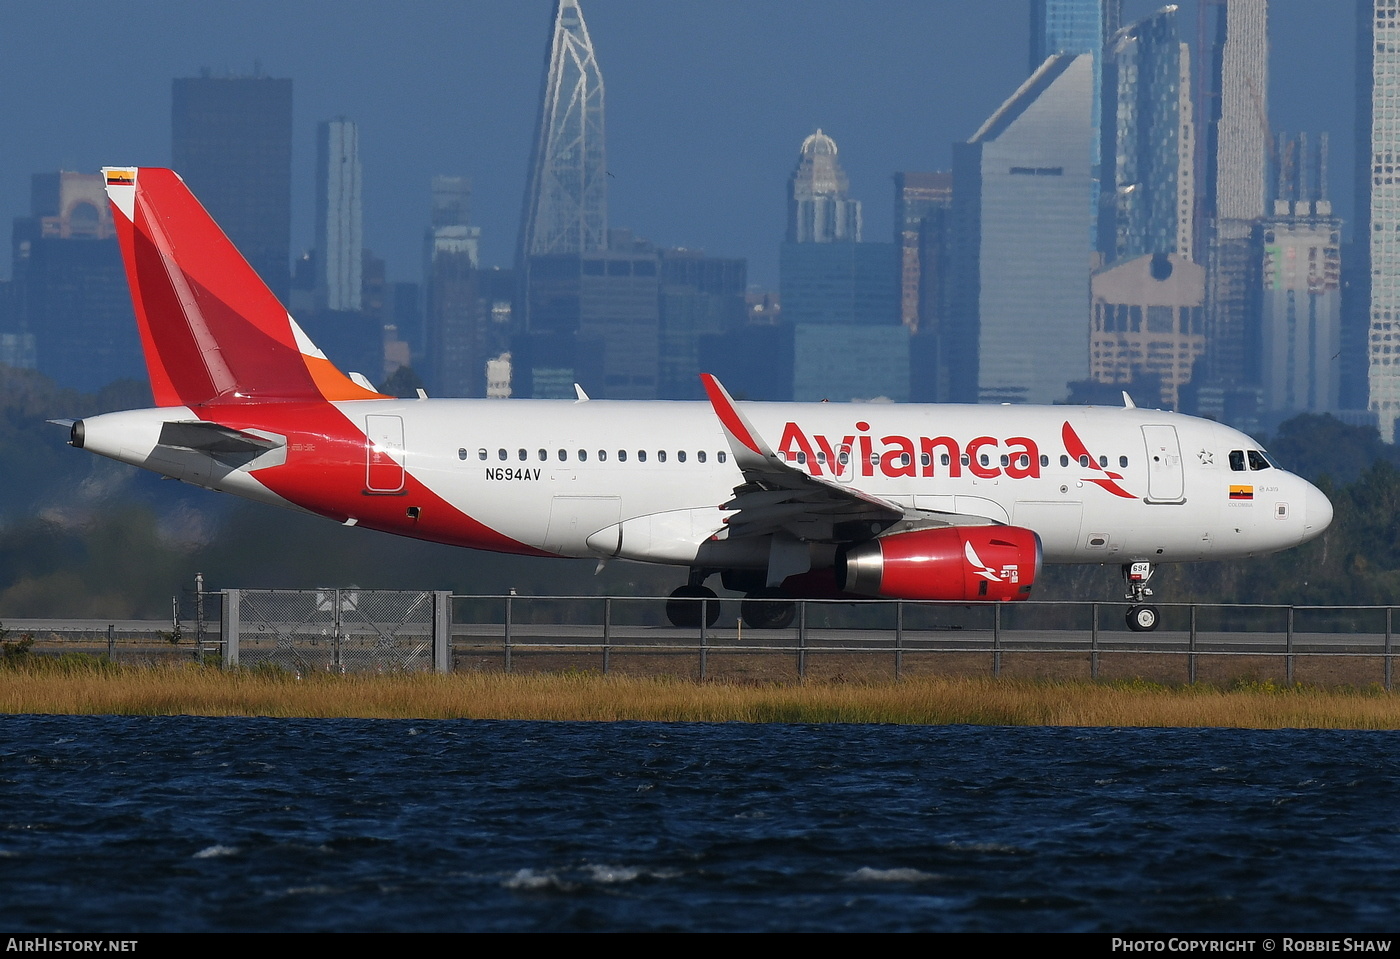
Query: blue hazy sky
[{"x": 707, "y": 101}]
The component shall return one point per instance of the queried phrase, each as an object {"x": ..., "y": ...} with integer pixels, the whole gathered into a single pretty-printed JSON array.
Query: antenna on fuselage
[{"x": 1128, "y": 403}]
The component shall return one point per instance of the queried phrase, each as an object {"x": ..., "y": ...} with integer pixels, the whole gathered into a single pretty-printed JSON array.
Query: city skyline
[{"x": 700, "y": 126}]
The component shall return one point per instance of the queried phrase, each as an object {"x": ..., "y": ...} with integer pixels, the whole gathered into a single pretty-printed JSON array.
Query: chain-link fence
[{"x": 336, "y": 630}]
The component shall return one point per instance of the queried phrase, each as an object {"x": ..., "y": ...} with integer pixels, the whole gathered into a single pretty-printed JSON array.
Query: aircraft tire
[
  {"x": 767, "y": 614},
  {"x": 683, "y": 610},
  {"x": 1143, "y": 619}
]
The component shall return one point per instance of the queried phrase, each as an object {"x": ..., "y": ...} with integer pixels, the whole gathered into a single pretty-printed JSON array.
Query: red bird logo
[{"x": 1076, "y": 448}]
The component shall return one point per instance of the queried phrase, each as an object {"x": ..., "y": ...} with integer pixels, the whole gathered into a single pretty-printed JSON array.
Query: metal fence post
[
  {"x": 1288, "y": 647},
  {"x": 1389, "y": 619},
  {"x": 607, "y": 633},
  {"x": 1094, "y": 641},
  {"x": 1191, "y": 647},
  {"x": 704, "y": 644},
  {"x": 111, "y": 643},
  {"x": 508, "y": 613},
  {"x": 337, "y": 638},
  {"x": 231, "y": 626},
  {"x": 199, "y": 630},
  {"x": 898, "y": 641},
  {"x": 802, "y": 639},
  {"x": 442, "y": 631},
  {"x": 996, "y": 641}
]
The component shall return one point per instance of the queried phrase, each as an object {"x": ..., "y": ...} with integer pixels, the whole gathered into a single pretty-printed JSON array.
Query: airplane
[{"x": 783, "y": 501}]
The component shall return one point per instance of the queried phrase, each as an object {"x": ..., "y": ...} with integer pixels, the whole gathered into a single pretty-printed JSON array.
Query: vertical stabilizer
[{"x": 211, "y": 330}]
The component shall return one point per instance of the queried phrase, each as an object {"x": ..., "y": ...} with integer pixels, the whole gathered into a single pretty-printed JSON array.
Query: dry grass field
[{"x": 81, "y": 685}]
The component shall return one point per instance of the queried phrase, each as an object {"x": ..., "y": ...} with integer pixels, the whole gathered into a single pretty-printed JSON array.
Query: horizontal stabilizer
[{"x": 212, "y": 438}]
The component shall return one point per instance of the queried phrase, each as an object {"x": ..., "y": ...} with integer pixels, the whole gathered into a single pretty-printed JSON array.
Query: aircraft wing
[{"x": 775, "y": 496}]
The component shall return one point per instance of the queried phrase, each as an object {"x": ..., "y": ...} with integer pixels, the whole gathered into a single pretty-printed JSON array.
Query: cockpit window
[
  {"x": 1258, "y": 461},
  {"x": 1237, "y": 460}
]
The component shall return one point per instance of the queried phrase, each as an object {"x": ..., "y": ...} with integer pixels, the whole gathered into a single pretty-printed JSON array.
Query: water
[{"x": 193, "y": 824}]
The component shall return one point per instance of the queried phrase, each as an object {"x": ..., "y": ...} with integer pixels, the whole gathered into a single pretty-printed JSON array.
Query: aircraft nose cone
[{"x": 1317, "y": 513}]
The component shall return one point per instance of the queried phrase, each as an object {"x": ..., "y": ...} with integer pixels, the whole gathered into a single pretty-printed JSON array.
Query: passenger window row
[
  {"x": 581, "y": 456},
  {"x": 1022, "y": 460},
  {"x": 1086, "y": 461}
]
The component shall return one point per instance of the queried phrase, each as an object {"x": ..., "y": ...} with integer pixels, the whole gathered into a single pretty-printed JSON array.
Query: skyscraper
[
  {"x": 700, "y": 296},
  {"x": 1071, "y": 26},
  {"x": 339, "y": 216},
  {"x": 594, "y": 320},
  {"x": 1148, "y": 204},
  {"x": 73, "y": 310},
  {"x": 231, "y": 141},
  {"x": 1018, "y": 329},
  {"x": 1378, "y": 202},
  {"x": 922, "y": 225},
  {"x": 820, "y": 209},
  {"x": 1237, "y": 155},
  {"x": 1147, "y": 327},
  {"x": 566, "y": 196},
  {"x": 455, "y": 325},
  {"x": 1239, "y": 143},
  {"x": 1300, "y": 326},
  {"x": 840, "y": 295},
  {"x": 921, "y": 204},
  {"x": 1077, "y": 27},
  {"x": 452, "y": 200}
]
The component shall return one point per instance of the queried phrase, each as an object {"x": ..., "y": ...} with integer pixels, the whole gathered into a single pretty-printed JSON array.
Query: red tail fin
[{"x": 211, "y": 329}]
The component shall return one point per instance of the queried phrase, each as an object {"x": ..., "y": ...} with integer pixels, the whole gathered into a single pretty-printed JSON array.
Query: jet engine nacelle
[{"x": 949, "y": 563}]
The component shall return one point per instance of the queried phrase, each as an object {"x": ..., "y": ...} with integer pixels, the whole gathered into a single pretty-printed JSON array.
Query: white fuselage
[{"x": 646, "y": 480}]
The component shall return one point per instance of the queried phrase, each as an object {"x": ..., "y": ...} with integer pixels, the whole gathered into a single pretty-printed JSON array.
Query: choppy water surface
[{"x": 177, "y": 824}]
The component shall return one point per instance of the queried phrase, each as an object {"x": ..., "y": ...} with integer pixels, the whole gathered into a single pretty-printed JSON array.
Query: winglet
[{"x": 749, "y": 448}]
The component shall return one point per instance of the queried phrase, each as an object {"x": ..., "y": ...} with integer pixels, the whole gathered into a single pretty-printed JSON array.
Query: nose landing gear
[{"x": 1142, "y": 617}]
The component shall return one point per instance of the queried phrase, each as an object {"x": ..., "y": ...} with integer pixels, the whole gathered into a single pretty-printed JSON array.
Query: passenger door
[{"x": 1166, "y": 481}]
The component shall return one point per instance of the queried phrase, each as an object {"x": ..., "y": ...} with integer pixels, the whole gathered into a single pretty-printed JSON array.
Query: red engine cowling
[{"x": 950, "y": 563}]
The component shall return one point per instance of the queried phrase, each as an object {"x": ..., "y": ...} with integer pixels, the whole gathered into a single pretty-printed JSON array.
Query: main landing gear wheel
[
  {"x": 686, "y": 602},
  {"x": 768, "y": 609},
  {"x": 1142, "y": 619}
]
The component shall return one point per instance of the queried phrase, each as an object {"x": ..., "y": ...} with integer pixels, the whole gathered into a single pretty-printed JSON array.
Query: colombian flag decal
[
  {"x": 120, "y": 178},
  {"x": 1241, "y": 492}
]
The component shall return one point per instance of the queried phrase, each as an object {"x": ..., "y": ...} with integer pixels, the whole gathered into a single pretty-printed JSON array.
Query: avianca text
[{"x": 1016, "y": 457}]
